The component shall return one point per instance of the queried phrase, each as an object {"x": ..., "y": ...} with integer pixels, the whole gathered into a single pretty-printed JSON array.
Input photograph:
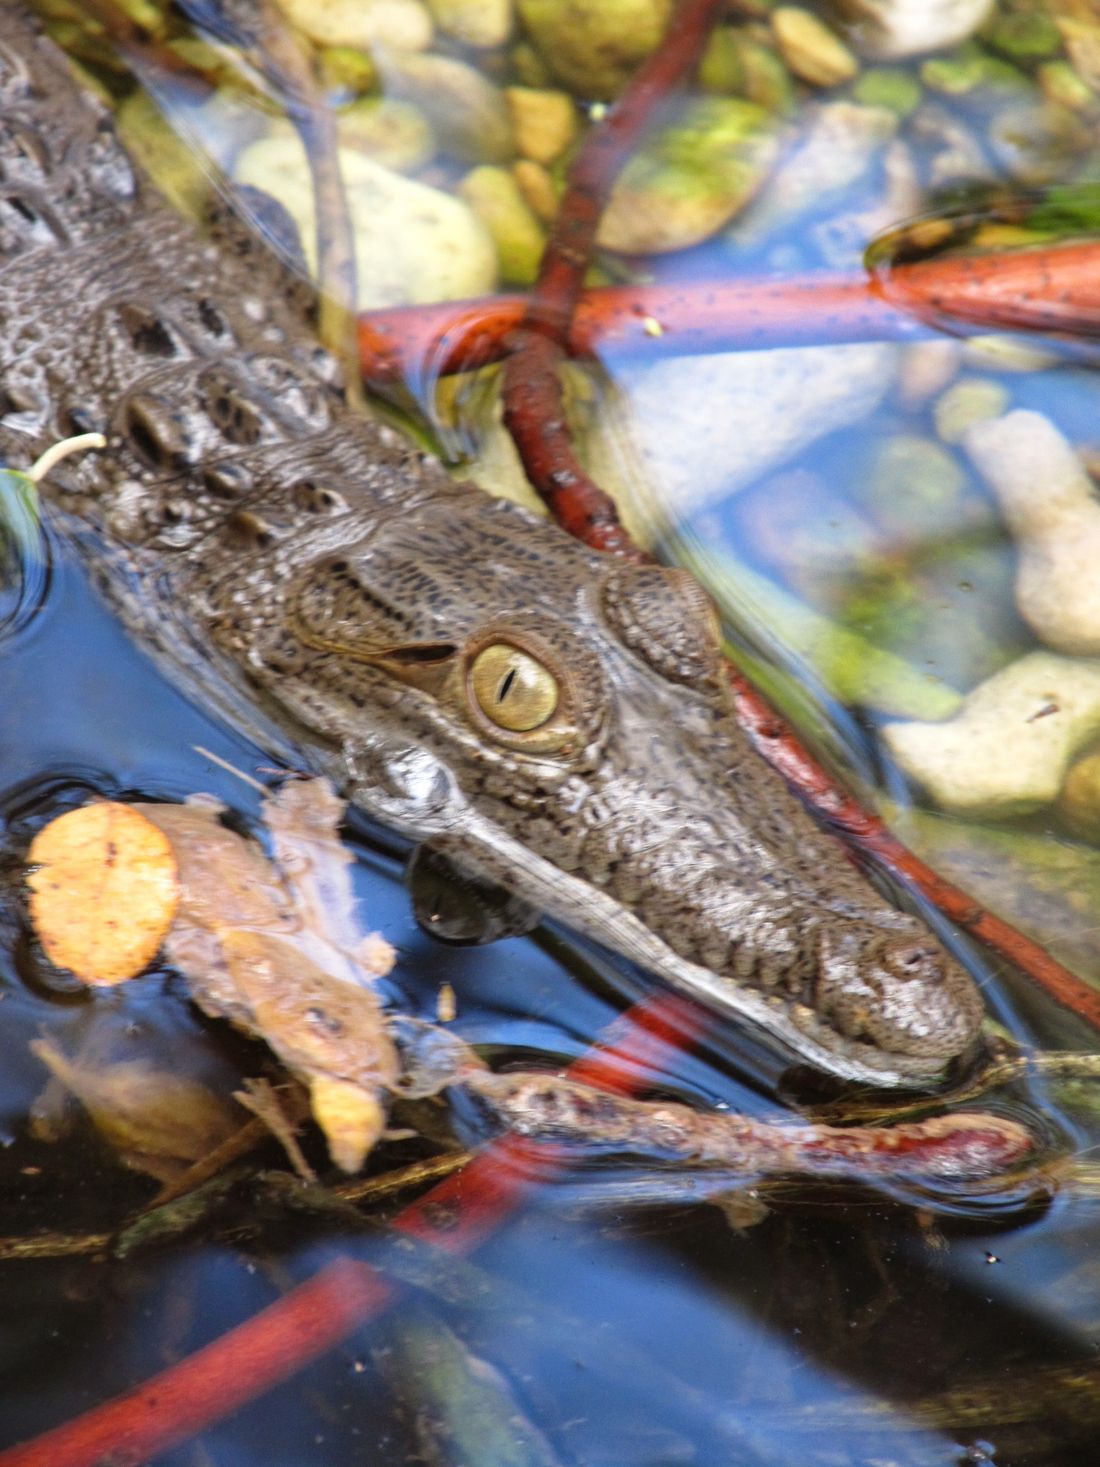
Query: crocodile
[{"x": 553, "y": 719}]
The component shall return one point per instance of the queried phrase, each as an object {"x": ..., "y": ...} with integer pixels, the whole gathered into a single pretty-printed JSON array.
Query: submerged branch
[
  {"x": 1055, "y": 291},
  {"x": 963, "y": 1146},
  {"x": 285, "y": 62}
]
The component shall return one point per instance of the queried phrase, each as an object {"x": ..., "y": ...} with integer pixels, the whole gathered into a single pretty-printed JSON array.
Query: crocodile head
[{"x": 561, "y": 722}]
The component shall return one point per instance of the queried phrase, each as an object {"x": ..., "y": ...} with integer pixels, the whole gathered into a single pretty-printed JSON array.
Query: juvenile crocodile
[{"x": 471, "y": 675}]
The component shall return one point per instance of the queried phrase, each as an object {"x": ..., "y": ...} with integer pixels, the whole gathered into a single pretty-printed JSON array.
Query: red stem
[
  {"x": 250, "y": 1359},
  {"x": 572, "y": 240},
  {"x": 1054, "y": 290},
  {"x": 777, "y": 742},
  {"x": 533, "y": 404}
]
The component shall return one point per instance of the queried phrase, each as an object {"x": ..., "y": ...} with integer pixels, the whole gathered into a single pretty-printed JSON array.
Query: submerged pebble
[
  {"x": 913, "y": 486},
  {"x": 498, "y": 202},
  {"x": 973, "y": 400},
  {"x": 443, "y": 251},
  {"x": 838, "y": 145},
  {"x": 895, "y": 28},
  {"x": 810, "y": 48},
  {"x": 538, "y": 187},
  {"x": 690, "y": 179},
  {"x": 467, "y": 111},
  {"x": 393, "y": 133},
  {"x": 477, "y": 23},
  {"x": 1007, "y": 749},
  {"x": 363, "y": 24},
  {"x": 704, "y": 427},
  {"x": 593, "y": 47},
  {"x": 544, "y": 121},
  {"x": 1079, "y": 802},
  {"x": 1050, "y": 504}
]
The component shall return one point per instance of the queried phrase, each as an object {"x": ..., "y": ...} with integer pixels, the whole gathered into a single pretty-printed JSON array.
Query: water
[{"x": 615, "y": 1316}]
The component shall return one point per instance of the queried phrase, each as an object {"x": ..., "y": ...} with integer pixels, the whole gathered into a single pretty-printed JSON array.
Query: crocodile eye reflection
[{"x": 512, "y": 689}]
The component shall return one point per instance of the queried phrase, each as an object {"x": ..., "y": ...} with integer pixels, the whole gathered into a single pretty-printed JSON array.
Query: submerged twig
[
  {"x": 363, "y": 1190},
  {"x": 53, "y": 1245},
  {"x": 283, "y": 59},
  {"x": 962, "y": 1146}
]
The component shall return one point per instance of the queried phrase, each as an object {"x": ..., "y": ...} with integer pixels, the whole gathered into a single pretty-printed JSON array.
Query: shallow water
[{"x": 626, "y": 1320}]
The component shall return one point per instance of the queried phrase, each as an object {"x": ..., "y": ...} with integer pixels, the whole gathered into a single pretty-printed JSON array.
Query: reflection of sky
[
  {"x": 623, "y": 1358},
  {"x": 657, "y": 1358}
]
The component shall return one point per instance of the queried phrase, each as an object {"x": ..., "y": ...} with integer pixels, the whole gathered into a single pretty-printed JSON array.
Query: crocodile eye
[{"x": 512, "y": 689}]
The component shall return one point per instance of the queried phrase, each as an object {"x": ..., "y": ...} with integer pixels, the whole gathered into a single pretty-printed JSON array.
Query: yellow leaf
[{"x": 104, "y": 891}]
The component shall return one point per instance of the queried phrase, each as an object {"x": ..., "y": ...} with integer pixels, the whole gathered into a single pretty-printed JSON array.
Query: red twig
[
  {"x": 1054, "y": 290},
  {"x": 532, "y": 392},
  {"x": 774, "y": 738},
  {"x": 411, "y": 343},
  {"x": 456, "y": 1216}
]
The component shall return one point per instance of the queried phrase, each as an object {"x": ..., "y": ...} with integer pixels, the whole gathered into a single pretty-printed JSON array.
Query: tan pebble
[
  {"x": 927, "y": 368},
  {"x": 404, "y": 25},
  {"x": 967, "y": 402},
  {"x": 1051, "y": 508},
  {"x": 896, "y": 28},
  {"x": 810, "y": 48},
  {"x": 477, "y": 23},
  {"x": 1079, "y": 802},
  {"x": 544, "y": 122},
  {"x": 1006, "y": 354},
  {"x": 1007, "y": 749},
  {"x": 537, "y": 187}
]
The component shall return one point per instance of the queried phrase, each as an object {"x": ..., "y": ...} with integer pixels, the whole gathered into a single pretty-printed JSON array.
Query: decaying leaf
[
  {"x": 277, "y": 951},
  {"x": 103, "y": 891},
  {"x": 272, "y": 947},
  {"x": 159, "y": 1122}
]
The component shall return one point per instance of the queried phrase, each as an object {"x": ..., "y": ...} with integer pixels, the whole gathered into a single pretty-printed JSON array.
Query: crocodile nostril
[{"x": 913, "y": 959}]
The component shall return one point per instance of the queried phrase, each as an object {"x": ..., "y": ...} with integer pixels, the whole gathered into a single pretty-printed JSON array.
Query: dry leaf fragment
[
  {"x": 104, "y": 891},
  {"x": 351, "y": 1118},
  {"x": 272, "y": 947},
  {"x": 157, "y": 1121},
  {"x": 275, "y": 948}
]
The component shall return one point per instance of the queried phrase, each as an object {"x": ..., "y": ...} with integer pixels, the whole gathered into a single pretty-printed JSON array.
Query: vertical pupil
[{"x": 506, "y": 685}]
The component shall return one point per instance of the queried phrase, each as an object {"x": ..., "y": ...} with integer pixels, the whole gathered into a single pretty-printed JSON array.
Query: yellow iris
[{"x": 512, "y": 689}]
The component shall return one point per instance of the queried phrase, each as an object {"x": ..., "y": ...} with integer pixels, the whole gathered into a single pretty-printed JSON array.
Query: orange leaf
[{"x": 104, "y": 891}]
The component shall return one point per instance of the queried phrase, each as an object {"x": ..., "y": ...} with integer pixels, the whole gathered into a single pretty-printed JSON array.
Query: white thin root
[{"x": 80, "y": 443}]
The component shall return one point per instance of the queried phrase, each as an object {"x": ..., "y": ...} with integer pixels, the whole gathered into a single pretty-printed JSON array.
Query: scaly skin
[{"x": 293, "y": 559}]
